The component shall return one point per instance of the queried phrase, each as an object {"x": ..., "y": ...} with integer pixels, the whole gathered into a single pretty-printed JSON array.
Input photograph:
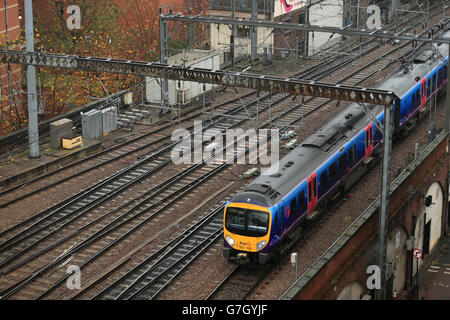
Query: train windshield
[{"x": 246, "y": 222}]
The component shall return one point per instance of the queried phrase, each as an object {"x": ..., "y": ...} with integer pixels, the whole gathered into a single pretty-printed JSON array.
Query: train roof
[
  {"x": 407, "y": 75},
  {"x": 268, "y": 189}
]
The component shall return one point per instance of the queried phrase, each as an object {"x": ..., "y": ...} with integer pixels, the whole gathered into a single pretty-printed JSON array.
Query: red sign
[{"x": 417, "y": 254}]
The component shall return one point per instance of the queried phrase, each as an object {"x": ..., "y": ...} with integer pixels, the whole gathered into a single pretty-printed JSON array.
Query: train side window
[
  {"x": 413, "y": 103},
  {"x": 439, "y": 76},
  {"x": 323, "y": 179},
  {"x": 294, "y": 207},
  {"x": 434, "y": 82},
  {"x": 301, "y": 202},
  {"x": 352, "y": 155},
  {"x": 445, "y": 72},
  {"x": 333, "y": 172},
  {"x": 281, "y": 219},
  {"x": 378, "y": 134},
  {"x": 428, "y": 87},
  {"x": 418, "y": 97},
  {"x": 343, "y": 163},
  {"x": 315, "y": 187},
  {"x": 275, "y": 222}
]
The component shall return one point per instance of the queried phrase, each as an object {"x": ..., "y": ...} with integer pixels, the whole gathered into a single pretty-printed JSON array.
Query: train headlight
[
  {"x": 230, "y": 240},
  {"x": 260, "y": 245}
]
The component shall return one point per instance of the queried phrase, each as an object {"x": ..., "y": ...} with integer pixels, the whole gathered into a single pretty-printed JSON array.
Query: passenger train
[{"x": 270, "y": 210}]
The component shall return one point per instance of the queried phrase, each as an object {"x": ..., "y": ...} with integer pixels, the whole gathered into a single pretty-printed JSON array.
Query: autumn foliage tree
[
  {"x": 117, "y": 29},
  {"x": 99, "y": 36},
  {"x": 122, "y": 29}
]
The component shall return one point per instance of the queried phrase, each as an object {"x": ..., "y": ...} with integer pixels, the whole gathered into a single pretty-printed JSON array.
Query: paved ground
[{"x": 435, "y": 276}]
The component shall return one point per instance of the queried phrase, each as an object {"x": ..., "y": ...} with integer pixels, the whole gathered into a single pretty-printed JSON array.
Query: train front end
[{"x": 246, "y": 233}]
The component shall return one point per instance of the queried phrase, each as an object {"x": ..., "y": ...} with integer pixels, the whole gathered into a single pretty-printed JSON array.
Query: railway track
[
  {"x": 239, "y": 283},
  {"x": 60, "y": 216},
  {"x": 10, "y": 291},
  {"x": 147, "y": 279},
  {"x": 126, "y": 152},
  {"x": 153, "y": 139}
]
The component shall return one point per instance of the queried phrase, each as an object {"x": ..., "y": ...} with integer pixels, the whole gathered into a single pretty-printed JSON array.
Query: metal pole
[
  {"x": 254, "y": 32},
  {"x": 380, "y": 293},
  {"x": 357, "y": 16},
  {"x": 448, "y": 94},
  {"x": 306, "y": 49},
  {"x": 164, "y": 59},
  {"x": 233, "y": 29},
  {"x": 8, "y": 65},
  {"x": 33, "y": 131}
]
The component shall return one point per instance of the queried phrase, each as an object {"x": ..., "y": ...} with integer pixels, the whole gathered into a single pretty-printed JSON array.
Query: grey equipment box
[
  {"x": 92, "y": 124},
  {"x": 109, "y": 119},
  {"x": 58, "y": 130}
]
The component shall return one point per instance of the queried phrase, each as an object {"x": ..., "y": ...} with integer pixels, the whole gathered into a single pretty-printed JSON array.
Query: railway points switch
[
  {"x": 251, "y": 173},
  {"x": 291, "y": 144},
  {"x": 138, "y": 116},
  {"x": 288, "y": 135}
]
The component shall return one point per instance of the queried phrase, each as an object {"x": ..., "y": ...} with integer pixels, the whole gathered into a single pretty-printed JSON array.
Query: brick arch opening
[
  {"x": 352, "y": 291},
  {"x": 396, "y": 259},
  {"x": 433, "y": 206}
]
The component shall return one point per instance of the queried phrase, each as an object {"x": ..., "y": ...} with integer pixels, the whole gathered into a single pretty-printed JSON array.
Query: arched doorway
[
  {"x": 396, "y": 260},
  {"x": 352, "y": 291},
  {"x": 432, "y": 230},
  {"x": 428, "y": 224}
]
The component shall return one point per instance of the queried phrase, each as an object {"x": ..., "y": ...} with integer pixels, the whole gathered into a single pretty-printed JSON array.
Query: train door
[
  {"x": 312, "y": 192},
  {"x": 369, "y": 140},
  {"x": 424, "y": 92}
]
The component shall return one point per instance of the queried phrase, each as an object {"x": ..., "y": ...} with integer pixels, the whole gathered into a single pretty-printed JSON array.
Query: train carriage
[{"x": 272, "y": 209}]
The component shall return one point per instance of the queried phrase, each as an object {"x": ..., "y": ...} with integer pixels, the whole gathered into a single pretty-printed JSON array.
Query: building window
[
  {"x": 243, "y": 32},
  {"x": 302, "y": 18}
]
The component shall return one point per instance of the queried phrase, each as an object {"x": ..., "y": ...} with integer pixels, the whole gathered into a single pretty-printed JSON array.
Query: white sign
[
  {"x": 286, "y": 6},
  {"x": 374, "y": 17},
  {"x": 74, "y": 280},
  {"x": 374, "y": 280},
  {"x": 74, "y": 19},
  {"x": 417, "y": 253}
]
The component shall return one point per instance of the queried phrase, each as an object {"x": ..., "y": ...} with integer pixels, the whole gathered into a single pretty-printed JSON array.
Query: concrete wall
[
  {"x": 194, "y": 59},
  {"x": 220, "y": 41},
  {"x": 327, "y": 13}
]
